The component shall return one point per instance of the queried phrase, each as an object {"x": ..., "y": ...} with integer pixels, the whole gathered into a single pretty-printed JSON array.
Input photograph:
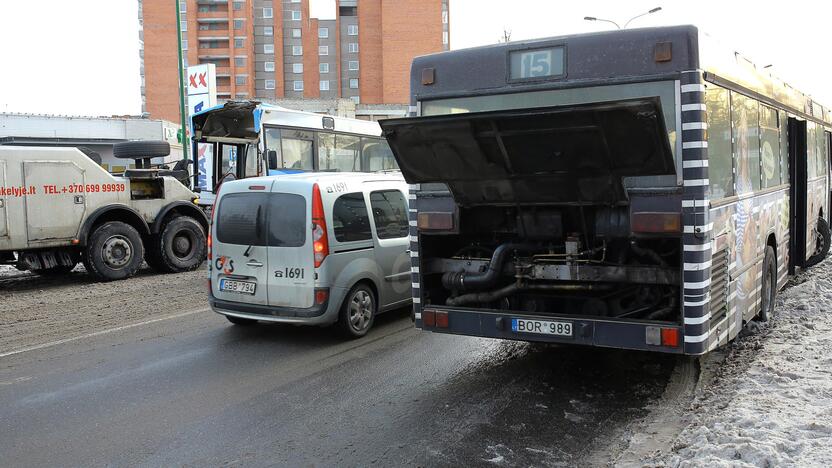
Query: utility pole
[{"x": 182, "y": 116}]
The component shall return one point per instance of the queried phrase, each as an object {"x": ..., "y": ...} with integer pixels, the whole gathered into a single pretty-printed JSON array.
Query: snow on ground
[
  {"x": 770, "y": 402},
  {"x": 6, "y": 270}
]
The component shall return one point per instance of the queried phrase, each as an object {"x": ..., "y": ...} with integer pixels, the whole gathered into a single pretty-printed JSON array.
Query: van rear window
[{"x": 262, "y": 219}]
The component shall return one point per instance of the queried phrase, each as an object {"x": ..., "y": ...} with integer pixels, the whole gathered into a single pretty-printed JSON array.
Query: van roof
[{"x": 312, "y": 177}]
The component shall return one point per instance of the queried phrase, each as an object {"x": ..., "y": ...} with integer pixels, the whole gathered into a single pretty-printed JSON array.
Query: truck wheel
[
  {"x": 822, "y": 245},
  {"x": 114, "y": 252},
  {"x": 358, "y": 312},
  {"x": 181, "y": 246}
]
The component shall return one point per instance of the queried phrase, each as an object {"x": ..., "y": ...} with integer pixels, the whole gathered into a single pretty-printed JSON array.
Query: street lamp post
[
  {"x": 593, "y": 18},
  {"x": 180, "y": 68}
]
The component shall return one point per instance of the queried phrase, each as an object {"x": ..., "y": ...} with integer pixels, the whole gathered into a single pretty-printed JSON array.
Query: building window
[
  {"x": 297, "y": 85},
  {"x": 353, "y": 65},
  {"x": 353, "y": 83},
  {"x": 324, "y": 85},
  {"x": 239, "y": 61},
  {"x": 445, "y": 37},
  {"x": 268, "y": 31},
  {"x": 297, "y": 68},
  {"x": 183, "y": 7},
  {"x": 323, "y": 33},
  {"x": 295, "y": 15},
  {"x": 184, "y": 44},
  {"x": 352, "y": 47},
  {"x": 352, "y": 29},
  {"x": 238, "y": 6},
  {"x": 239, "y": 43},
  {"x": 240, "y": 79},
  {"x": 356, "y": 99},
  {"x": 294, "y": 1},
  {"x": 268, "y": 48},
  {"x": 238, "y": 24},
  {"x": 297, "y": 50},
  {"x": 324, "y": 68},
  {"x": 268, "y": 66},
  {"x": 268, "y": 13},
  {"x": 269, "y": 84},
  {"x": 445, "y": 17},
  {"x": 323, "y": 50},
  {"x": 296, "y": 33},
  {"x": 183, "y": 25}
]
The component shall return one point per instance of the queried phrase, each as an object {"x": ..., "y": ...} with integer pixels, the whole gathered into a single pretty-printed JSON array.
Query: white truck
[{"x": 58, "y": 207}]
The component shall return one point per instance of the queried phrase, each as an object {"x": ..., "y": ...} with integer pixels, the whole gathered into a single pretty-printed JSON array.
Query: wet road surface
[{"x": 195, "y": 390}]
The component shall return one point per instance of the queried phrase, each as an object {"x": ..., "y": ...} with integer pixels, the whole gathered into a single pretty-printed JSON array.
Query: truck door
[
  {"x": 55, "y": 210},
  {"x": 4, "y": 220}
]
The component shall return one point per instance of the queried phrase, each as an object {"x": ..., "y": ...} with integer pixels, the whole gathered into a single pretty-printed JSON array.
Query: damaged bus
[
  {"x": 635, "y": 189},
  {"x": 241, "y": 139}
]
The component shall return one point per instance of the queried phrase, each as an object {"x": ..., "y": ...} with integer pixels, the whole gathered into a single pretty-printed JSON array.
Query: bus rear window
[{"x": 262, "y": 219}]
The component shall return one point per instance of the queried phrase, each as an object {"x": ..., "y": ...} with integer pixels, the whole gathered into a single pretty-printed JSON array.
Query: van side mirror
[{"x": 272, "y": 156}]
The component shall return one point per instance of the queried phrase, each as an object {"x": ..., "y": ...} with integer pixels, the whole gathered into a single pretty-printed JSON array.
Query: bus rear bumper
[{"x": 609, "y": 333}]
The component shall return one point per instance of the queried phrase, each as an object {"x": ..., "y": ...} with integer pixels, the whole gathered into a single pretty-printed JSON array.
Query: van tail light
[
  {"x": 320, "y": 242},
  {"x": 656, "y": 223},
  {"x": 210, "y": 245}
]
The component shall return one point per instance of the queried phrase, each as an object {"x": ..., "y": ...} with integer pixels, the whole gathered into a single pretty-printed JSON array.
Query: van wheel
[
  {"x": 358, "y": 312},
  {"x": 114, "y": 252},
  {"x": 768, "y": 289},
  {"x": 240, "y": 320},
  {"x": 822, "y": 246},
  {"x": 181, "y": 246}
]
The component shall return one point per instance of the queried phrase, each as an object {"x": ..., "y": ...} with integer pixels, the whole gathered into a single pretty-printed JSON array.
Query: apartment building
[{"x": 275, "y": 50}]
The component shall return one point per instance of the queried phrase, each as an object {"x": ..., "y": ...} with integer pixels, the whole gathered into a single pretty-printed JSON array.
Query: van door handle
[{"x": 254, "y": 263}]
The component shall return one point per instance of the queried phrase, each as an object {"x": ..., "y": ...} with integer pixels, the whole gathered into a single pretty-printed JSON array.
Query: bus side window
[
  {"x": 376, "y": 155},
  {"x": 272, "y": 140},
  {"x": 297, "y": 150},
  {"x": 811, "y": 150},
  {"x": 720, "y": 161},
  {"x": 745, "y": 118},
  {"x": 770, "y": 151},
  {"x": 784, "y": 147}
]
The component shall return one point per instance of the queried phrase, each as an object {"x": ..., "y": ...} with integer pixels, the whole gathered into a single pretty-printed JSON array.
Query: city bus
[
  {"x": 639, "y": 189},
  {"x": 241, "y": 139}
]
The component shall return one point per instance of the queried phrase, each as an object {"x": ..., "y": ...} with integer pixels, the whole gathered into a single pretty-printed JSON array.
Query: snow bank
[{"x": 770, "y": 403}]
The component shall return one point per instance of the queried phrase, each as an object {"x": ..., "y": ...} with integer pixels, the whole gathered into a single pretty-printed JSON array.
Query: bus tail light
[
  {"x": 320, "y": 242},
  {"x": 435, "y": 318},
  {"x": 656, "y": 223},
  {"x": 435, "y": 221},
  {"x": 662, "y": 336}
]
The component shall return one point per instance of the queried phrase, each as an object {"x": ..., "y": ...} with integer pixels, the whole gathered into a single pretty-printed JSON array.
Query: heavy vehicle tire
[
  {"x": 822, "y": 246},
  {"x": 181, "y": 246},
  {"x": 115, "y": 251},
  {"x": 141, "y": 149},
  {"x": 358, "y": 312},
  {"x": 768, "y": 289},
  {"x": 241, "y": 321}
]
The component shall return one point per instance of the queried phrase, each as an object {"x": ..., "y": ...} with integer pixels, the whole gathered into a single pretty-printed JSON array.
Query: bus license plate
[
  {"x": 240, "y": 287},
  {"x": 541, "y": 327}
]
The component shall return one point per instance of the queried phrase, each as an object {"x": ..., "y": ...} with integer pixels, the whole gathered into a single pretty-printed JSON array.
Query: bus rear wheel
[
  {"x": 822, "y": 234},
  {"x": 768, "y": 289}
]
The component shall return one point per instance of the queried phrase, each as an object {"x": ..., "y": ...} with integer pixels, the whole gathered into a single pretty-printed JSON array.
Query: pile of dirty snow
[
  {"x": 770, "y": 402},
  {"x": 6, "y": 270}
]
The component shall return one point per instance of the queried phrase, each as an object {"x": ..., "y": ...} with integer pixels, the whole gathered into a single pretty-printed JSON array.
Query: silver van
[{"x": 310, "y": 248}]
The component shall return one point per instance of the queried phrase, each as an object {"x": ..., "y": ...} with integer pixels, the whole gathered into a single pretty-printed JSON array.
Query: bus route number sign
[{"x": 536, "y": 63}]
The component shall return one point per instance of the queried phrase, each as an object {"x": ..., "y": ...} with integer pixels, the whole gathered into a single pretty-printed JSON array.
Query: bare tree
[{"x": 506, "y": 35}]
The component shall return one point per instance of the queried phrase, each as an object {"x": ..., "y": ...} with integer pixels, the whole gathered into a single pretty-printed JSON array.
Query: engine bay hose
[{"x": 462, "y": 280}]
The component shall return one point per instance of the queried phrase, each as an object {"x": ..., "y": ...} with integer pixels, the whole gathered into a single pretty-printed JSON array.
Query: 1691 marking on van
[
  {"x": 337, "y": 187},
  {"x": 291, "y": 273}
]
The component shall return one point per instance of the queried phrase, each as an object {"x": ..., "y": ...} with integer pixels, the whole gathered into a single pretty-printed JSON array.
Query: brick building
[{"x": 273, "y": 50}]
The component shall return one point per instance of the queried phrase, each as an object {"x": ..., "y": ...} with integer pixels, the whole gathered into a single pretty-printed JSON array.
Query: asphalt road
[{"x": 194, "y": 390}]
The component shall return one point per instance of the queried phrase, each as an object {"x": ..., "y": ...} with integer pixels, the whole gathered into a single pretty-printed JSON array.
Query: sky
[{"x": 81, "y": 57}]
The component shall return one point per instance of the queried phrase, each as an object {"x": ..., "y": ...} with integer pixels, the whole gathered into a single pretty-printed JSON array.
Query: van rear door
[
  {"x": 239, "y": 266},
  {"x": 291, "y": 259}
]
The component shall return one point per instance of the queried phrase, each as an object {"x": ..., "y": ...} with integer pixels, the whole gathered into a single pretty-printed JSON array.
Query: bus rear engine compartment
[{"x": 578, "y": 260}]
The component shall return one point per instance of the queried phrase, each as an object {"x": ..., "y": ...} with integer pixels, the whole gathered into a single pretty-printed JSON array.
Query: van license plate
[
  {"x": 241, "y": 287},
  {"x": 541, "y": 327}
]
